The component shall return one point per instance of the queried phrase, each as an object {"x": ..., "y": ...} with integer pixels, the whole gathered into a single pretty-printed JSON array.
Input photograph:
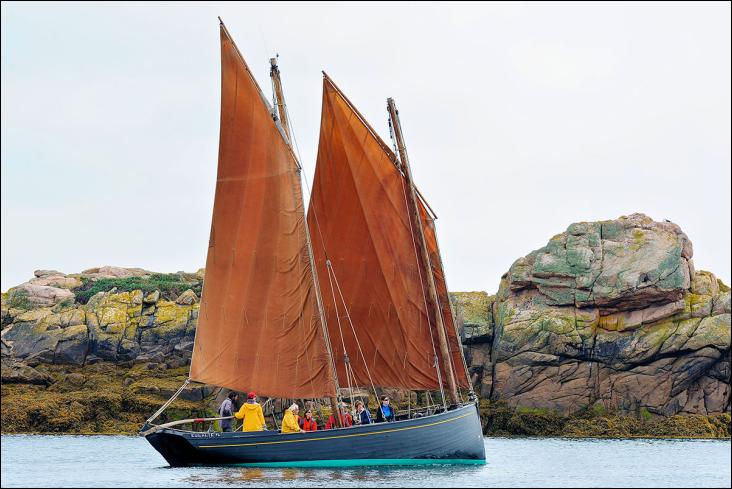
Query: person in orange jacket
[
  {"x": 346, "y": 419},
  {"x": 251, "y": 413},
  {"x": 308, "y": 423}
]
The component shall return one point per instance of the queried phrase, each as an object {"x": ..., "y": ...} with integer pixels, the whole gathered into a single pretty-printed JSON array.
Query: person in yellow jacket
[
  {"x": 251, "y": 413},
  {"x": 289, "y": 421}
]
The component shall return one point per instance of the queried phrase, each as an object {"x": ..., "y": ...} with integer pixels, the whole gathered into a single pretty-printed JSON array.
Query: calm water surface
[{"x": 121, "y": 461}]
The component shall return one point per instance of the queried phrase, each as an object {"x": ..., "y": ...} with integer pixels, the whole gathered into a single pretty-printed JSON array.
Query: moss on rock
[
  {"x": 96, "y": 399},
  {"x": 500, "y": 419}
]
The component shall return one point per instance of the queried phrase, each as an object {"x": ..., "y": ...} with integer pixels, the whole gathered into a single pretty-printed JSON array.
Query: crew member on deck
[
  {"x": 227, "y": 409},
  {"x": 363, "y": 416},
  {"x": 386, "y": 412},
  {"x": 346, "y": 419},
  {"x": 289, "y": 421},
  {"x": 308, "y": 423},
  {"x": 251, "y": 413}
]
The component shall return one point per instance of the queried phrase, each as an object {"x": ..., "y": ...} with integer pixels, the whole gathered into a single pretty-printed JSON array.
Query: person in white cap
[{"x": 289, "y": 421}]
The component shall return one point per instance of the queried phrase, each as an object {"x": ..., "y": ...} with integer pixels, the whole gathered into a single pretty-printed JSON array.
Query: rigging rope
[
  {"x": 169, "y": 401},
  {"x": 340, "y": 330},
  {"x": 424, "y": 296},
  {"x": 329, "y": 265},
  {"x": 355, "y": 336},
  {"x": 316, "y": 286}
]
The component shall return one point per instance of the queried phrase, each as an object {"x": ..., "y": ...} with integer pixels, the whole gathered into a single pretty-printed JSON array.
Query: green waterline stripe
[{"x": 357, "y": 462}]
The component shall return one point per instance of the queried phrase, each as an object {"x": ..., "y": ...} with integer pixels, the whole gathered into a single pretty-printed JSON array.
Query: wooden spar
[
  {"x": 384, "y": 146},
  {"x": 424, "y": 253},
  {"x": 471, "y": 393},
  {"x": 274, "y": 73}
]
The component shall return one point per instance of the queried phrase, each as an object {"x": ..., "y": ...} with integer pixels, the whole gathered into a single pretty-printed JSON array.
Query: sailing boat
[{"x": 378, "y": 317}]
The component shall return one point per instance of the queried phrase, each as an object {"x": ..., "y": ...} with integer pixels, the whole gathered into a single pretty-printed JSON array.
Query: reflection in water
[
  {"x": 252, "y": 474},
  {"x": 75, "y": 462},
  {"x": 237, "y": 476}
]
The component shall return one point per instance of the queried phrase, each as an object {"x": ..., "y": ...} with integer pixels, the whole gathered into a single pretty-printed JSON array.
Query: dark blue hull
[{"x": 451, "y": 437}]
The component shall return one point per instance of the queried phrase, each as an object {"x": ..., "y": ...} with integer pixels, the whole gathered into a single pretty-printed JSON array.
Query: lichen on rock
[{"x": 611, "y": 312}]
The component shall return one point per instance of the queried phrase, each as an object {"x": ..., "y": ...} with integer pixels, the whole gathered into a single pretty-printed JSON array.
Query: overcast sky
[{"x": 519, "y": 118}]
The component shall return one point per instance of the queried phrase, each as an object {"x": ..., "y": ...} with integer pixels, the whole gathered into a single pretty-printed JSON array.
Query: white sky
[{"x": 520, "y": 119}]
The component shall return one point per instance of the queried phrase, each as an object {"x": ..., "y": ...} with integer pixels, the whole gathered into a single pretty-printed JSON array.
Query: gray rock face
[
  {"x": 46, "y": 273},
  {"x": 626, "y": 264},
  {"x": 114, "y": 272},
  {"x": 40, "y": 295},
  {"x": 611, "y": 313},
  {"x": 116, "y": 327},
  {"x": 187, "y": 298},
  {"x": 19, "y": 373}
]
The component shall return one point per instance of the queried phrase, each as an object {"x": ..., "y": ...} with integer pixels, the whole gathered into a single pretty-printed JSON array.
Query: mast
[
  {"x": 274, "y": 73},
  {"x": 471, "y": 393},
  {"x": 424, "y": 253}
]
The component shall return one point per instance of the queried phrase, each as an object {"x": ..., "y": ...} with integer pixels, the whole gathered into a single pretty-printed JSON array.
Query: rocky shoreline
[{"x": 607, "y": 331}]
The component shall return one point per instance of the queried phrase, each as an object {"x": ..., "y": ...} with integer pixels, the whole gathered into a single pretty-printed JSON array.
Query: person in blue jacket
[{"x": 386, "y": 412}]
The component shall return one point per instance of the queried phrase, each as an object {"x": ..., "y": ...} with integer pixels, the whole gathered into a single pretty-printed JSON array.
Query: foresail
[
  {"x": 359, "y": 219},
  {"x": 258, "y": 327}
]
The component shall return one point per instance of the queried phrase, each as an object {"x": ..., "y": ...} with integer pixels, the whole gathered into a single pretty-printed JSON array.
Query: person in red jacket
[
  {"x": 346, "y": 419},
  {"x": 308, "y": 423}
]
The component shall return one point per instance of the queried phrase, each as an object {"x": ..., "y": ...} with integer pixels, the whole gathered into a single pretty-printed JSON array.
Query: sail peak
[
  {"x": 365, "y": 245},
  {"x": 259, "y": 327}
]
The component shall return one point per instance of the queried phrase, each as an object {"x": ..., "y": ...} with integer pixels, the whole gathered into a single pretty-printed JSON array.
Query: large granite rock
[
  {"x": 19, "y": 373},
  {"x": 474, "y": 313},
  {"x": 114, "y": 272},
  {"x": 53, "y": 278},
  {"x": 39, "y": 295},
  {"x": 120, "y": 327},
  {"x": 610, "y": 313},
  {"x": 626, "y": 264}
]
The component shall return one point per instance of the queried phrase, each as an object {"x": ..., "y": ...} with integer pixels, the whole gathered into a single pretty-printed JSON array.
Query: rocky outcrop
[
  {"x": 37, "y": 295},
  {"x": 609, "y": 313},
  {"x": 19, "y": 373},
  {"x": 114, "y": 272},
  {"x": 119, "y": 327},
  {"x": 608, "y": 316}
]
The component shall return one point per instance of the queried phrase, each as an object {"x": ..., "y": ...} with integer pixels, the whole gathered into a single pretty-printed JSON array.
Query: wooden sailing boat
[{"x": 378, "y": 317}]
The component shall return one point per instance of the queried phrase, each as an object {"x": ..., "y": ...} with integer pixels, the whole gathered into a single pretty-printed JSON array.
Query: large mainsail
[
  {"x": 359, "y": 220},
  {"x": 258, "y": 326}
]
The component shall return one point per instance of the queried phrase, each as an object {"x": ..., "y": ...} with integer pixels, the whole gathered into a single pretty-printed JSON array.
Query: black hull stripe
[{"x": 339, "y": 436}]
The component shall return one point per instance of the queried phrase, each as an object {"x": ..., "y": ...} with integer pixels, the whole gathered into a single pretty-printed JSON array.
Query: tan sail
[
  {"x": 258, "y": 327},
  {"x": 363, "y": 227},
  {"x": 428, "y": 224}
]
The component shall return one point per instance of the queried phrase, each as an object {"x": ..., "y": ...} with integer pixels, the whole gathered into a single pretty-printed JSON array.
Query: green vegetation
[
  {"x": 645, "y": 414},
  {"x": 722, "y": 286},
  {"x": 99, "y": 398},
  {"x": 18, "y": 299},
  {"x": 104, "y": 398},
  {"x": 170, "y": 285},
  {"x": 474, "y": 307},
  {"x": 64, "y": 304},
  {"x": 500, "y": 419}
]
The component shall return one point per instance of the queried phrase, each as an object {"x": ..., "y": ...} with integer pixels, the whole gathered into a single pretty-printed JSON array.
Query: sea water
[{"x": 123, "y": 461}]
